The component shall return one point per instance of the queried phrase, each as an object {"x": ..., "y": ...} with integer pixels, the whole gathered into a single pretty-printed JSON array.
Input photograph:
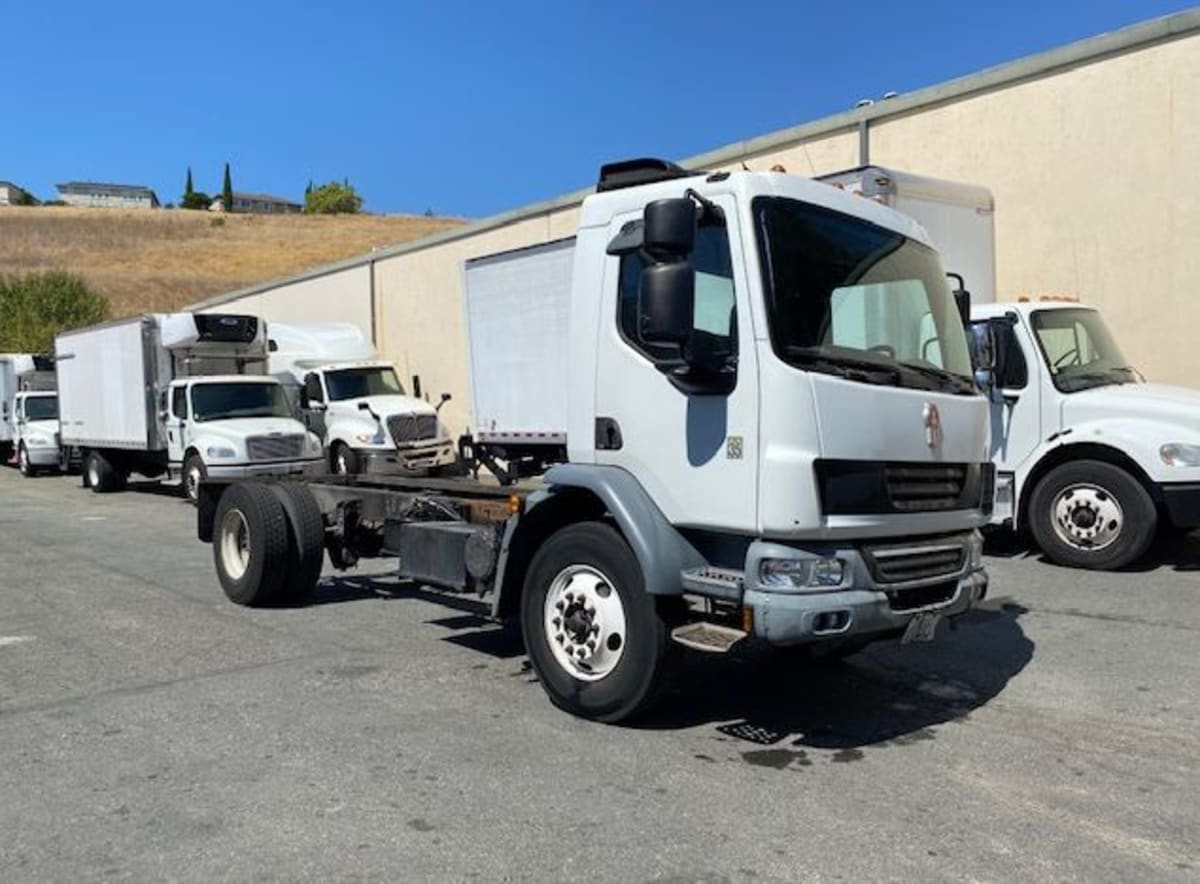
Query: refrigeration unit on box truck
[
  {"x": 177, "y": 395},
  {"x": 755, "y": 401}
]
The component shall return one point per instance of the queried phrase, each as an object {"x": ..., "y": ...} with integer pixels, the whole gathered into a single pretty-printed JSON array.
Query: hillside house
[
  {"x": 12, "y": 195},
  {"x": 258, "y": 204},
  {"x": 107, "y": 196}
]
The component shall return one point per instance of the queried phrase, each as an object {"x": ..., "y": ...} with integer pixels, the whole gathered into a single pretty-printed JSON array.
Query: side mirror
[
  {"x": 362, "y": 406},
  {"x": 666, "y": 302},
  {"x": 962, "y": 298},
  {"x": 669, "y": 227},
  {"x": 446, "y": 397}
]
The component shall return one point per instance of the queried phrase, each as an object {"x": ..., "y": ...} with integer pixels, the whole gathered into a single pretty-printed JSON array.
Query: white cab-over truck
[
  {"x": 1091, "y": 460},
  {"x": 356, "y": 402},
  {"x": 180, "y": 395},
  {"x": 28, "y": 413},
  {"x": 760, "y": 421}
]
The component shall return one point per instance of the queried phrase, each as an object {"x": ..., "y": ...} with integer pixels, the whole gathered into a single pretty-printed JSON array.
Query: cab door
[
  {"x": 696, "y": 454},
  {"x": 176, "y": 422}
]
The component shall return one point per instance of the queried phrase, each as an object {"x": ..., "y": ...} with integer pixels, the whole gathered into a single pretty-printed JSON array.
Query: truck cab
[
  {"x": 356, "y": 403},
  {"x": 1089, "y": 457},
  {"x": 35, "y": 417},
  {"x": 229, "y": 426}
]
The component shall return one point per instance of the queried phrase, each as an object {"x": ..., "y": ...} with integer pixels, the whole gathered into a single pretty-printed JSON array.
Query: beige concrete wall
[{"x": 344, "y": 296}]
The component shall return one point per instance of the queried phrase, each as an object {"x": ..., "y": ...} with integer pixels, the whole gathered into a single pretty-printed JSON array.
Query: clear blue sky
[{"x": 464, "y": 108}]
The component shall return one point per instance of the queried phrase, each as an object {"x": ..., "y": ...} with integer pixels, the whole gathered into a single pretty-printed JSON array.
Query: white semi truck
[
  {"x": 755, "y": 400},
  {"x": 28, "y": 412},
  {"x": 179, "y": 395},
  {"x": 1089, "y": 458},
  {"x": 356, "y": 402}
]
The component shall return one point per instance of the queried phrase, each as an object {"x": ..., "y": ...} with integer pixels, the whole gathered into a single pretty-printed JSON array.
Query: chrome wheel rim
[
  {"x": 1087, "y": 517},
  {"x": 93, "y": 474},
  {"x": 584, "y": 622},
  {"x": 23, "y": 460},
  {"x": 235, "y": 544},
  {"x": 191, "y": 483}
]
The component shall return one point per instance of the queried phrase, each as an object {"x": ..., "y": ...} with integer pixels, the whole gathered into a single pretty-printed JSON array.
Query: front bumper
[
  {"x": 409, "y": 459},
  {"x": 862, "y": 605},
  {"x": 314, "y": 467},
  {"x": 1182, "y": 502}
]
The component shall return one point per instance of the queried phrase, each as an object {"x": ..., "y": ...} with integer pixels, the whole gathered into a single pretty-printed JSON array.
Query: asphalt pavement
[{"x": 152, "y": 730}]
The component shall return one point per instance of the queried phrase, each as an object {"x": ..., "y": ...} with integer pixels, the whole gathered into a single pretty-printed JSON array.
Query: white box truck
[
  {"x": 179, "y": 395},
  {"x": 356, "y": 402},
  {"x": 22, "y": 376},
  {"x": 1089, "y": 458},
  {"x": 756, "y": 402}
]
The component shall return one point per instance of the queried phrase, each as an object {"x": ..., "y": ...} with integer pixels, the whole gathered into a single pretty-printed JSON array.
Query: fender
[
  {"x": 662, "y": 552},
  {"x": 1131, "y": 439}
]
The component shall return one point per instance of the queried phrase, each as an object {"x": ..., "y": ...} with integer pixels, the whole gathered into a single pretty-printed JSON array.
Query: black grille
[
  {"x": 412, "y": 427},
  {"x": 926, "y": 561},
  {"x": 274, "y": 447},
  {"x": 861, "y": 487},
  {"x": 925, "y": 487},
  {"x": 921, "y": 596}
]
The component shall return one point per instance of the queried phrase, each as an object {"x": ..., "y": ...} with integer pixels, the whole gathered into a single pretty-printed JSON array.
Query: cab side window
[
  {"x": 179, "y": 402},
  {"x": 715, "y": 312},
  {"x": 312, "y": 388}
]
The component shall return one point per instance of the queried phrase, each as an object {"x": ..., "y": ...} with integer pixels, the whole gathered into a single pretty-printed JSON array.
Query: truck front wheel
[
  {"x": 1092, "y": 514},
  {"x": 23, "y": 464},
  {"x": 596, "y": 639},
  {"x": 194, "y": 472},
  {"x": 344, "y": 460}
]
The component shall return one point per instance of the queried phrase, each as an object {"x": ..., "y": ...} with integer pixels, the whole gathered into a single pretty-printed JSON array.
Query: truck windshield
[
  {"x": 850, "y": 298},
  {"x": 41, "y": 408},
  {"x": 217, "y": 401},
  {"x": 1079, "y": 351},
  {"x": 353, "y": 383}
]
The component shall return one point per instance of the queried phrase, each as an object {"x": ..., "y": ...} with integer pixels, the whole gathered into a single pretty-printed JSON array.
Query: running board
[{"x": 711, "y": 638}]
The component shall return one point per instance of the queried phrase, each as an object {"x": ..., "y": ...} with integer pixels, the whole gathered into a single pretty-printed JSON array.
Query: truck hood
[
  {"x": 45, "y": 428},
  {"x": 1148, "y": 402},
  {"x": 243, "y": 427},
  {"x": 384, "y": 406}
]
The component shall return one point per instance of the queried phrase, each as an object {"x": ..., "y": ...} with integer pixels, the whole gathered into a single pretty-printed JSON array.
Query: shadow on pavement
[
  {"x": 1172, "y": 548},
  {"x": 890, "y": 693}
]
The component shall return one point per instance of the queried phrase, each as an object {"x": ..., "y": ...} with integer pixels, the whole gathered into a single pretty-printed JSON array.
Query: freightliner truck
[
  {"x": 1089, "y": 458},
  {"x": 356, "y": 403},
  {"x": 179, "y": 395},
  {"x": 28, "y": 412},
  {"x": 754, "y": 401}
]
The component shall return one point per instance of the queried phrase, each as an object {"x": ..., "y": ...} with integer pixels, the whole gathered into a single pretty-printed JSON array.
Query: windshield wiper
[{"x": 848, "y": 367}]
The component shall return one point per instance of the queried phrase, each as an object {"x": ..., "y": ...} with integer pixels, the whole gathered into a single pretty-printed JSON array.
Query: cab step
[{"x": 712, "y": 638}]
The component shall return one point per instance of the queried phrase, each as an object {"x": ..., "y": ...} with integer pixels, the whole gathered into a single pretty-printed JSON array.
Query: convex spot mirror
[{"x": 669, "y": 227}]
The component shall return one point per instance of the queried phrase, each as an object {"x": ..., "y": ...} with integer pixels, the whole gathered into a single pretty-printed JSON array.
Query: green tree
[
  {"x": 334, "y": 198},
  {"x": 197, "y": 199},
  {"x": 187, "y": 188},
  {"x": 227, "y": 191},
  {"x": 37, "y": 306}
]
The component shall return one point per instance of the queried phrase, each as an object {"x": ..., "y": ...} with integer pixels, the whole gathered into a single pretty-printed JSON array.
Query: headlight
[
  {"x": 822, "y": 573},
  {"x": 37, "y": 441},
  {"x": 1176, "y": 454},
  {"x": 975, "y": 550},
  {"x": 216, "y": 451}
]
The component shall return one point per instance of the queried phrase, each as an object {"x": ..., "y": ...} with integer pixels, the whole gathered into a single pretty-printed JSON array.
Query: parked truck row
[{"x": 733, "y": 406}]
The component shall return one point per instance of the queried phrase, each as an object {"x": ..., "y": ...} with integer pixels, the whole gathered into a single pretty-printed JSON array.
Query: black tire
[
  {"x": 306, "y": 541},
  {"x": 642, "y": 670},
  {"x": 194, "y": 472},
  {"x": 344, "y": 460},
  {"x": 250, "y": 544},
  {"x": 1084, "y": 485},
  {"x": 100, "y": 475},
  {"x": 26, "y": 468},
  {"x": 6, "y": 452}
]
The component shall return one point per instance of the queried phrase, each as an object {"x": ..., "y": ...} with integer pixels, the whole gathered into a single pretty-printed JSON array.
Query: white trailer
[
  {"x": 177, "y": 395},
  {"x": 356, "y": 403}
]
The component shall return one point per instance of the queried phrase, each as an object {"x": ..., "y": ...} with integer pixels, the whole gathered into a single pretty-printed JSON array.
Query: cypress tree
[
  {"x": 187, "y": 188},
  {"x": 227, "y": 191}
]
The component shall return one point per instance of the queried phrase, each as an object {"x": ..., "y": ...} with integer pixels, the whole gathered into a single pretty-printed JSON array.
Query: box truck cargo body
[{"x": 177, "y": 395}]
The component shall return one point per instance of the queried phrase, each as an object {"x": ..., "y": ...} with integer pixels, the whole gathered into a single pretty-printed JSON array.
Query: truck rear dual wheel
[
  {"x": 599, "y": 643},
  {"x": 1092, "y": 514},
  {"x": 101, "y": 475},
  {"x": 268, "y": 543}
]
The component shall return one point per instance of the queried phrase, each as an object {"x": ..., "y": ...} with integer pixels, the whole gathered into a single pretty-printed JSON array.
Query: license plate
[{"x": 922, "y": 627}]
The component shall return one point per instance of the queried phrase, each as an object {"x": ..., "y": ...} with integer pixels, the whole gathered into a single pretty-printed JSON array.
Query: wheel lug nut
[
  {"x": 591, "y": 611},
  {"x": 559, "y": 638},
  {"x": 559, "y": 605},
  {"x": 591, "y": 645},
  {"x": 558, "y": 621},
  {"x": 595, "y": 630},
  {"x": 570, "y": 597}
]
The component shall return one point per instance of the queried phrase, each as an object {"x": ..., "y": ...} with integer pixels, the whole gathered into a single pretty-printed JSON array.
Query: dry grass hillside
[{"x": 162, "y": 259}]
